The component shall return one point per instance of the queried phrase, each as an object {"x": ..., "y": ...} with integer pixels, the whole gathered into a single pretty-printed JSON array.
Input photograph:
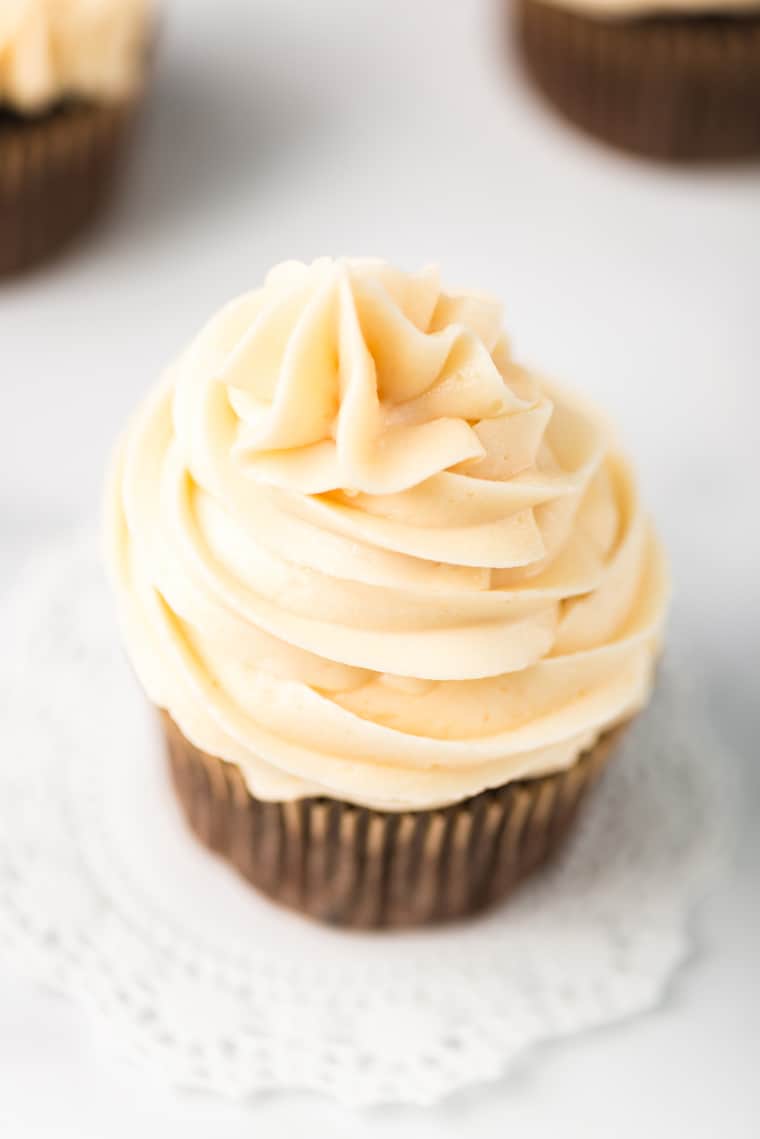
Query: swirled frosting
[
  {"x": 54, "y": 49},
  {"x": 360, "y": 552}
]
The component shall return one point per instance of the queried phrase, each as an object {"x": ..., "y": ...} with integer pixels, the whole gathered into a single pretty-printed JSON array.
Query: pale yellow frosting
[
  {"x": 358, "y": 551},
  {"x": 628, "y": 9},
  {"x": 54, "y": 49}
]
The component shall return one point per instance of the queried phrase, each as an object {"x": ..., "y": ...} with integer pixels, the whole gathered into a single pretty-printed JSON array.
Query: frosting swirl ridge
[{"x": 360, "y": 552}]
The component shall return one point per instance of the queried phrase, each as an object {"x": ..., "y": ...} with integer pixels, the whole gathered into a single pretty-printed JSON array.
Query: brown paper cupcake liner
[
  {"x": 672, "y": 87},
  {"x": 353, "y": 866},
  {"x": 55, "y": 174}
]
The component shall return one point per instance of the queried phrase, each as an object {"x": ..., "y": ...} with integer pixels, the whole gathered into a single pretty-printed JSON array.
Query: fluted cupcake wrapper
[
  {"x": 672, "y": 87},
  {"x": 354, "y": 866},
  {"x": 55, "y": 174}
]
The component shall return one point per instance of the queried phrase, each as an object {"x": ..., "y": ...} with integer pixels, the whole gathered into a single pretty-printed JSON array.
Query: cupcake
[
  {"x": 394, "y": 596},
  {"x": 71, "y": 75},
  {"x": 672, "y": 79}
]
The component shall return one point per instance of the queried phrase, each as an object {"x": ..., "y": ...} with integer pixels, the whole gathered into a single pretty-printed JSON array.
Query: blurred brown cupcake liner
[
  {"x": 357, "y": 867},
  {"x": 680, "y": 88},
  {"x": 56, "y": 172}
]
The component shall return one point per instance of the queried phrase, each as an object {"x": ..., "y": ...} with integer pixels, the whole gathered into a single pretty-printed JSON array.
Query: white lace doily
[{"x": 104, "y": 895}]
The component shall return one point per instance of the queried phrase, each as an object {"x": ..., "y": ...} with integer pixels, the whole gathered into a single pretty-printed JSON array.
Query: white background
[{"x": 283, "y": 129}]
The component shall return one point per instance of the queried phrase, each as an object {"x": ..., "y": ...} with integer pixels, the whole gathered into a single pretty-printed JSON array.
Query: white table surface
[{"x": 284, "y": 129}]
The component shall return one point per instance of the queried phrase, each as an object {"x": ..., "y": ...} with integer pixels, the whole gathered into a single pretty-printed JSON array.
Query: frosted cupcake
[
  {"x": 672, "y": 79},
  {"x": 393, "y": 595},
  {"x": 71, "y": 75}
]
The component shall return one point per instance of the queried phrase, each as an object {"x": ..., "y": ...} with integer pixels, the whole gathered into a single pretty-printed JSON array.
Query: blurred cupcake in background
[
  {"x": 71, "y": 76},
  {"x": 672, "y": 79}
]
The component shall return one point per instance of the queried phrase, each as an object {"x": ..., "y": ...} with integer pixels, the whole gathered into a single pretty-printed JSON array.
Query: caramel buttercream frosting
[
  {"x": 52, "y": 50},
  {"x": 640, "y": 9},
  {"x": 359, "y": 552}
]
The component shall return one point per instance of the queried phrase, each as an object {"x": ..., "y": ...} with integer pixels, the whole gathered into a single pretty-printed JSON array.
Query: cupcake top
[
  {"x": 626, "y": 9},
  {"x": 360, "y": 552},
  {"x": 56, "y": 49}
]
